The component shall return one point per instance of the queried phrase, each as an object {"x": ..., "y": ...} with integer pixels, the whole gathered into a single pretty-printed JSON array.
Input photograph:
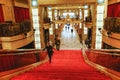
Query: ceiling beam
[{"x": 64, "y": 2}]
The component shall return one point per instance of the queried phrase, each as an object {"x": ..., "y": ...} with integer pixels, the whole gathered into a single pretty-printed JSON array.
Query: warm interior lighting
[
  {"x": 85, "y": 6},
  {"x": 34, "y": 3},
  {"x": 49, "y": 8},
  {"x": 100, "y": 1}
]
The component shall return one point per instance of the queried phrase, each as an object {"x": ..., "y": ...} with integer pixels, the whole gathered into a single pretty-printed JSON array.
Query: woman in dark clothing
[{"x": 49, "y": 51}]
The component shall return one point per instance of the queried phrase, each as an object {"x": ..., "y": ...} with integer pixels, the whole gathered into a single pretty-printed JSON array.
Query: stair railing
[
  {"x": 11, "y": 59},
  {"x": 14, "y": 62},
  {"x": 105, "y": 60}
]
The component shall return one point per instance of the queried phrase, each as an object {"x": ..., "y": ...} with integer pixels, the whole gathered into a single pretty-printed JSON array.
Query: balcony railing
[
  {"x": 112, "y": 24},
  {"x": 12, "y": 29}
]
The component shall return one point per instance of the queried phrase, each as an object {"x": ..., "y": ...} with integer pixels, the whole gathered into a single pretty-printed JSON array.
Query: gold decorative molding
[
  {"x": 113, "y": 39},
  {"x": 64, "y": 2},
  {"x": 17, "y": 41},
  {"x": 113, "y": 1},
  {"x": 18, "y": 4}
]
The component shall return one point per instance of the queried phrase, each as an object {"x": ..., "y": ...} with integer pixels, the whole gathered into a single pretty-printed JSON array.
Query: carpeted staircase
[{"x": 66, "y": 65}]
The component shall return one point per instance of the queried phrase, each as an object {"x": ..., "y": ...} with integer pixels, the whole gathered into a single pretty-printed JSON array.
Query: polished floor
[{"x": 70, "y": 40}]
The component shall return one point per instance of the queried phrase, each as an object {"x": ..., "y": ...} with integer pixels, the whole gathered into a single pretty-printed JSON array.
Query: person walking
[
  {"x": 49, "y": 51},
  {"x": 57, "y": 43},
  {"x": 71, "y": 30}
]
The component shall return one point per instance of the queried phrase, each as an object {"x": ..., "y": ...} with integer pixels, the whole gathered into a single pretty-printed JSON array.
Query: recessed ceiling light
[
  {"x": 86, "y": 6},
  {"x": 100, "y": 1},
  {"x": 34, "y": 3}
]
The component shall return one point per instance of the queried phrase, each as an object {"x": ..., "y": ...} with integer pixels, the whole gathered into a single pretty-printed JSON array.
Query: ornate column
[
  {"x": 78, "y": 14},
  {"x": 61, "y": 13},
  {"x": 105, "y": 6},
  {"x": 94, "y": 15},
  {"x": 53, "y": 19},
  {"x": 82, "y": 24},
  {"x": 53, "y": 14},
  {"x": 53, "y": 25},
  {"x": 30, "y": 13},
  {"x": 58, "y": 14},
  {"x": 46, "y": 26},
  {"x": 41, "y": 23}
]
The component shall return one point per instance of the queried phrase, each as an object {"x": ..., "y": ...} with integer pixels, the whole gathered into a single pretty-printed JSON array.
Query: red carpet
[{"x": 66, "y": 65}]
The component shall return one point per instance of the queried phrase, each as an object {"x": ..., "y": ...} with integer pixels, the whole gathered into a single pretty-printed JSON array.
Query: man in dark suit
[{"x": 49, "y": 51}]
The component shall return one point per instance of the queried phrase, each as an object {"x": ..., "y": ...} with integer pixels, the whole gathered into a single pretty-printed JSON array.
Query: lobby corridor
[{"x": 70, "y": 40}]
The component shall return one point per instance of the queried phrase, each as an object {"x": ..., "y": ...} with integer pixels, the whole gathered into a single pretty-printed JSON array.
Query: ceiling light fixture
[
  {"x": 100, "y": 1},
  {"x": 34, "y": 3}
]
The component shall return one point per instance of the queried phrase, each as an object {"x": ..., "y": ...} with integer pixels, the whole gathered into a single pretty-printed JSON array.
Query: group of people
[
  {"x": 50, "y": 49},
  {"x": 67, "y": 27}
]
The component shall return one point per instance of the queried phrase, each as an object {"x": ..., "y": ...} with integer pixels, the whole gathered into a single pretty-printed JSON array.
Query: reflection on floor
[{"x": 70, "y": 40}]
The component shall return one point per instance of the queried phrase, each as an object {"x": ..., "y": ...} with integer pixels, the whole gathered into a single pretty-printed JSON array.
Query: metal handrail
[
  {"x": 101, "y": 52},
  {"x": 107, "y": 50},
  {"x": 19, "y": 52}
]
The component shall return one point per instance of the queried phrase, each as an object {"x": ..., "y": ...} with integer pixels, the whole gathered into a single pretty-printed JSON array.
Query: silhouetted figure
[
  {"x": 49, "y": 51},
  {"x": 65, "y": 27},
  {"x": 87, "y": 42},
  {"x": 71, "y": 30},
  {"x": 57, "y": 43},
  {"x": 68, "y": 27}
]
